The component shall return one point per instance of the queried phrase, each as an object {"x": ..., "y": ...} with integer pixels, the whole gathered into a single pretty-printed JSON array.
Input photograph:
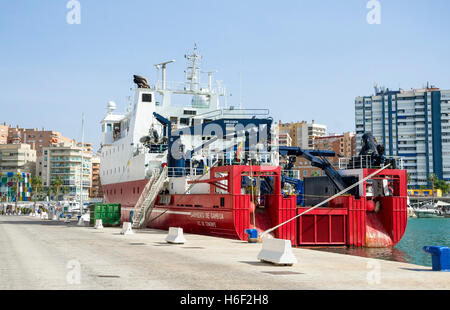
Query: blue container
[
  {"x": 252, "y": 235},
  {"x": 131, "y": 216},
  {"x": 440, "y": 257}
]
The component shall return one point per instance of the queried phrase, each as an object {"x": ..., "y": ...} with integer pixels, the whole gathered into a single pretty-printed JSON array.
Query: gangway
[{"x": 146, "y": 202}]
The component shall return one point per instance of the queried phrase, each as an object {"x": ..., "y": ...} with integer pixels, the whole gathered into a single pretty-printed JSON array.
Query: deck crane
[{"x": 317, "y": 159}]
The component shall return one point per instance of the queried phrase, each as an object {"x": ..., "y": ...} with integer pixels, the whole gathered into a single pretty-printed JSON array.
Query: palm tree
[
  {"x": 36, "y": 188},
  {"x": 57, "y": 183},
  {"x": 48, "y": 191},
  {"x": 65, "y": 190}
]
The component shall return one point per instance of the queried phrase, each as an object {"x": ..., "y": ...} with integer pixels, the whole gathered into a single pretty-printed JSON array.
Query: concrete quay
[{"x": 44, "y": 254}]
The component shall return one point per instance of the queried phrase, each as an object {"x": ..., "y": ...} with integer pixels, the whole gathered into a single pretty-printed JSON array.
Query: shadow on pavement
[
  {"x": 5, "y": 221},
  {"x": 415, "y": 269}
]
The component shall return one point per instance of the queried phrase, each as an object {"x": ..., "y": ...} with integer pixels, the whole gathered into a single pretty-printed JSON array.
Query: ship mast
[{"x": 193, "y": 69}]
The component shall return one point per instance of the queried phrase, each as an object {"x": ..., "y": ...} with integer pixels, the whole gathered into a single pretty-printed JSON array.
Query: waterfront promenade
[{"x": 42, "y": 254}]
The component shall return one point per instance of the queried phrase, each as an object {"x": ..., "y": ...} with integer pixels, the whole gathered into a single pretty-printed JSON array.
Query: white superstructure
[{"x": 123, "y": 156}]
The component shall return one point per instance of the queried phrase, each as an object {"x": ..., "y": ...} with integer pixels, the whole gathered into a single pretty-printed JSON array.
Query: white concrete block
[
  {"x": 277, "y": 251},
  {"x": 126, "y": 229},
  {"x": 98, "y": 224},
  {"x": 175, "y": 236},
  {"x": 84, "y": 220}
]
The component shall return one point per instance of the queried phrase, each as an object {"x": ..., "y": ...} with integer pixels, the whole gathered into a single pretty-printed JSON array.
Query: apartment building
[
  {"x": 3, "y": 134},
  {"x": 17, "y": 158},
  {"x": 343, "y": 145},
  {"x": 38, "y": 139},
  {"x": 303, "y": 133},
  {"x": 284, "y": 139},
  {"x": 69, "y": 163},
  {"x": 96, "y": 186},
  {"x": 413, "y": 124}
]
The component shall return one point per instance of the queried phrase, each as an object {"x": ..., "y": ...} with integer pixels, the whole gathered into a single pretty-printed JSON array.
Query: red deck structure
[{"x": 228, "y": 210}]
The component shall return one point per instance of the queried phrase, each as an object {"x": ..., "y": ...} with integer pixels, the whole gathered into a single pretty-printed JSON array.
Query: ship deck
[{"x": 35, "y": 255}]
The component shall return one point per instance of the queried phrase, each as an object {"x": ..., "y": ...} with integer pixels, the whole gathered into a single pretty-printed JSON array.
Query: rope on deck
[{"x": 325, "y": 201}]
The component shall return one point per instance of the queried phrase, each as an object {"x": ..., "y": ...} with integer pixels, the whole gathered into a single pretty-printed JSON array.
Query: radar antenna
[{"x": 163, "y": 67}]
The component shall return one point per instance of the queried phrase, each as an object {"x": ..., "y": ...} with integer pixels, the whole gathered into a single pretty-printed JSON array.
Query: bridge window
[{"x": 146, "y": 97}]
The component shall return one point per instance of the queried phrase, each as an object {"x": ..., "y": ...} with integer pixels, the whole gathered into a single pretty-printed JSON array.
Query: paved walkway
[{"x": 37, "y": 254}]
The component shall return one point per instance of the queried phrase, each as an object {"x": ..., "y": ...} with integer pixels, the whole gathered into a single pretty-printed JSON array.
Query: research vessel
[{"x": 214, "y": 169}]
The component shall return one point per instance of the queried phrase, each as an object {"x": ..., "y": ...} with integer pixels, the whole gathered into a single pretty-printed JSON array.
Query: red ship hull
[
  {"x": 126, "y": 193},
  {"x": 348, "y": 220}
]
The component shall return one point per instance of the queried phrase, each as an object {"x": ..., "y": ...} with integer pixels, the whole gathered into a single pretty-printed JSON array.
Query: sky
[{"x": 302, "y": 60}]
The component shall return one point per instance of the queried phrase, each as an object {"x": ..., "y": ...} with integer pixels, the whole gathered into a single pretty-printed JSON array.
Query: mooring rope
[{"x": 325, "y": 201}]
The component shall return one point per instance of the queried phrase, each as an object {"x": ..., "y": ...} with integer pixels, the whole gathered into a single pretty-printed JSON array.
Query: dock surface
[{"x": 53, "y": 255}]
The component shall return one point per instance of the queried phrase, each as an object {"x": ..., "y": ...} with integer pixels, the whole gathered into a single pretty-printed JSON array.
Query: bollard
[
  {"x": 98, "y": 224},
  {"x": 126, "y": 229},
  {"x": 175, "y": 236},
  {"x": 278, "y": 252},
  {"x": 440, "y": 257},
  {"x": 84, "y": 220},
  {"x": 252, "y": 235}
]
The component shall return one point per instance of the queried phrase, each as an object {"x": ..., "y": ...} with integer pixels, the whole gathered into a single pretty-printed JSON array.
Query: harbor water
[{"x": 419, "y": 232}]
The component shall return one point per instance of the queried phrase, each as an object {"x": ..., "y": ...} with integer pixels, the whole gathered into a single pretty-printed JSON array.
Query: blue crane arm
[
  {"x": 165, "y": 122},
  {"x": 319, "y": 162}
]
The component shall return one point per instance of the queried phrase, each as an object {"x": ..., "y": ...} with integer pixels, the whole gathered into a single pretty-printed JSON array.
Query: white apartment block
[
  {"x": 67, "y": 162},
  {"x": 413, "y": 124},
  {"x": 303, "y": 133}
]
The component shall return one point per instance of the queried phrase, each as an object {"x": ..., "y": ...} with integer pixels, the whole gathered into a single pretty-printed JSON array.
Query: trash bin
[
  {"x": 440, "y": 257},
  {"x": 252, "y": 235}
]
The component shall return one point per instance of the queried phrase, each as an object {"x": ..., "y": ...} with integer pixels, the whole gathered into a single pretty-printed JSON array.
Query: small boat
[
  {"x": 445, "y": 208},
  {"x": 411, "y": 212},
  {"x": 428, "y": 210}
]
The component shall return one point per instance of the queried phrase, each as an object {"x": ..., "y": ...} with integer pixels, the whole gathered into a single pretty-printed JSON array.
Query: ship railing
[
  {"x": 224, "y": 159},
  {"x": 232, "y": 112},
  {"x": 245, "y": 158},
  {"x": 182, "y": 172},
  {"x": 184, "y": 87},
  {"x": 295, "y": 174},
  {"x": 365, "y": 161}
]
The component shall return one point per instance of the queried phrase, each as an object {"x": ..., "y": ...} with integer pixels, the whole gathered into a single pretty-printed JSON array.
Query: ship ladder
[{"x": 146, "y": 202}]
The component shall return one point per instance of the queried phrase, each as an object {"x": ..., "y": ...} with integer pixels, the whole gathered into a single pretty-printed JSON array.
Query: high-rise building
[
  {"x": 413, "y": 124},
  {"x": 69, "y": 163}
]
